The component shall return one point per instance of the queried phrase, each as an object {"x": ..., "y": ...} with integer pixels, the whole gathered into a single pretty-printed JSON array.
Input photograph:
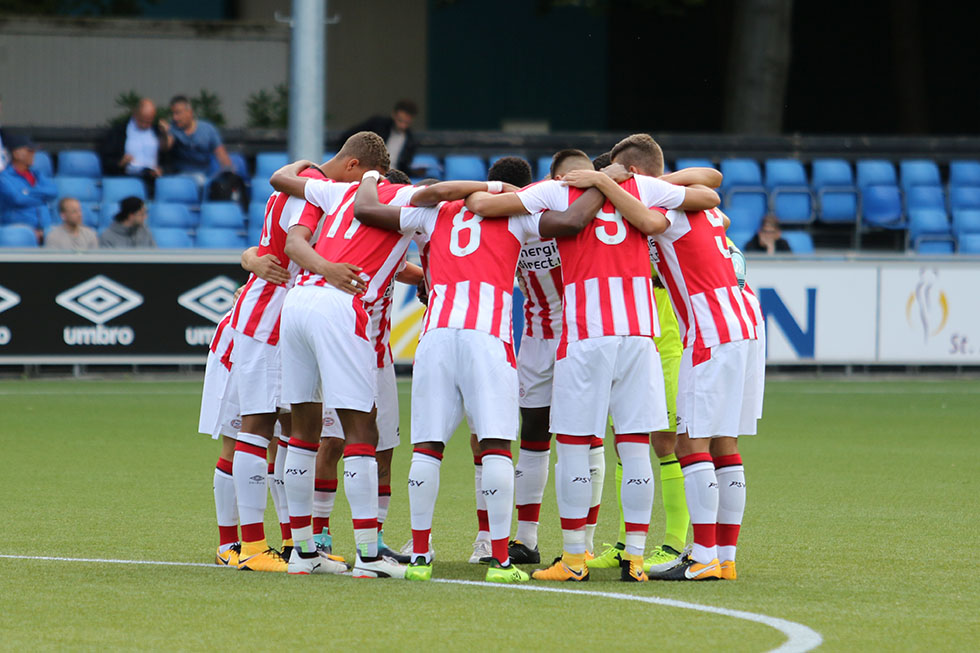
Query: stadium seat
[
  {"x": 428, "y": 165},
  {"x": 107, "y": 211},
  {"x": 177, "y": 188},
  {"x": 739, "y": 237},
  {"x": 465, "y": 166},
  {"x": 254, "y": 234},
  {"x": 833, "y": 184},
  {"x": 964, "y": 197},
  {"x": 261, "y": 189},
  {"x": 79, "y": 163},
  {"x": 966, "y": 221},
  {"x": 918, "y": 172},
  {"x": 964, "y": 173},
  {"x": 875, "y": 172},
  {"x": 690, "y": 162},
  {"x": 217, "y": 238},
  {"x": 496, "y": 157},
  {"x": 882, "y": 206},
  {"x": 927, "y": 222},
  {"x": 42, "y": 161},
  {"x": 742, "y": 184},
  {"x": 171, "y": 216},
  {"x": 544, "y": 167},
  {"x": 17, "y": 235},
  {"x": 268, "y": 162},
  {"x": 115, "y": 189},
  {"x": 744, "y": 219},
  {"x": 222, "y": 215},
  {"x": 801, "y": 242},
  {"x": 256, "y": 214},
  {"x": 789, "y": 193},
  {"x": 170, "y": 238},
  {"x": 925, "y": 197},
  {"x": 747, "y": 202},
  {"x": 969, "y": 244},
  {"x": 934, "y": 246},
  {"x": 238, "y": 166},
  {"x": 83, "y": 189},
  {"x": 784, "y": 172}
]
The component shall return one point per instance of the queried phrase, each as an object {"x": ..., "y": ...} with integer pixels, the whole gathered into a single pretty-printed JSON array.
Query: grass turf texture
[{"x": 861, "y": 524}]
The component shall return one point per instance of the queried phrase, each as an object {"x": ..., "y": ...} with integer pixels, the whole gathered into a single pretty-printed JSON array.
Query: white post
[{"x": 307, "y": 80}]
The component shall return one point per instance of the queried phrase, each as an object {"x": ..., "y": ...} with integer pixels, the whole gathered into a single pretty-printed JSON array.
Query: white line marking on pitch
[{"x": 799, "y": 638}]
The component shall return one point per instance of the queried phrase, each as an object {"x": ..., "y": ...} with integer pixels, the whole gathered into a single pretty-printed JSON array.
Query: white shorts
[
  {"x": 535, "y": 371},
  {"x": 618, "y": 376},
  {"x": 387, "y": 402},
  {"x": 755, "y": 378},
  {"x": 322, "y": 358},
  {"x": 257, "y": 363},
  {"x": 219, "y": 401},
  {"x": 713, "y": 398},
  {"x": 462, "y": 371}
]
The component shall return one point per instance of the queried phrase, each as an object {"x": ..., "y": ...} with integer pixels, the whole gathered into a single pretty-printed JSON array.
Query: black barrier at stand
[{"x": 127, "y": 308}]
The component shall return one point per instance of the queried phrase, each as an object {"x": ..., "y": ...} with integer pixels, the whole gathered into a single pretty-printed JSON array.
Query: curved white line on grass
[{"x": 799, "y": 637}]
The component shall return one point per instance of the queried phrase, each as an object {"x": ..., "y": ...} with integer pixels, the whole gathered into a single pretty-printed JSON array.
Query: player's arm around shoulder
[
  {"x": 450, "y": 191},
  {"x": 342, "y": 276},
  {"x": 287, "y": 180},
  {"x": 369, "y": 210},
  {"x": 573, "y": 219},
  {"x": 644, "y": 218},
  {"x": 266, "y": 267}
]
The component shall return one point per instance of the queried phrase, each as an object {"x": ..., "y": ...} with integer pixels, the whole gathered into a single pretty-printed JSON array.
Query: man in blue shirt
[
  {"x": 24, "y": 190},
  {"x": 194, "y": 141}
]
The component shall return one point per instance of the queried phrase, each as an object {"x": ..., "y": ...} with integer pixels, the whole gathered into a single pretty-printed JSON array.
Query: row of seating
[{"x": 18, "y": 235}]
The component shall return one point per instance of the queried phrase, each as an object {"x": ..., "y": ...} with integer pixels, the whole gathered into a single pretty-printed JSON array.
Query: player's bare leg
[
  {"x": 325, "y": 491},
  {"x": 481, "y": 545},
  {"x": 530, "y": 478},
  {"x": 731, "y": 500}
]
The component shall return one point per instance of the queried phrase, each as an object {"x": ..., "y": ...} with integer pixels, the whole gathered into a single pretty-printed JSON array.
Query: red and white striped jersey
[
  {"x": 223, "y": 341},
  {"x": 755, "y": 309},
  {"x": 539, "y": 278},
  {"x": 379, "y": 314},
  {"x": 469, "y": 266},
  {"x": 694, "y": 263},
  {"x": 378, "y": 252},
  {"x": 605, "y": 268},
  {"x": 257, "y": 310}
]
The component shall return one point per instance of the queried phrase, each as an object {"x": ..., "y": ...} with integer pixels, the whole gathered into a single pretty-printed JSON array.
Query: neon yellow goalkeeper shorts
[{"x": 670, "y": 348}]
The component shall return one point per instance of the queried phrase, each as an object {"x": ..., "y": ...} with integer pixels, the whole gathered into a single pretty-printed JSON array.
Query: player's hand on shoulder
[
  {"x": 343, "y": 276},
  {"x": 580, "y": 178},
  {"x": 617, "y": 172},
  {"x": 267, "y": 267}
]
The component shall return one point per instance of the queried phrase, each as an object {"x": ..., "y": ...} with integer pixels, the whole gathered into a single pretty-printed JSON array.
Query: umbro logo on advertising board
[
  {"x": 210, "y": 300},
  {"x": 8, "y": 299},
  {"x": 99, "y": 300}
]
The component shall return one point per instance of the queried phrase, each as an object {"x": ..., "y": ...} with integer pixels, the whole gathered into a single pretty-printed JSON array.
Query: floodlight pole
[{"x": 307, "y": 80}]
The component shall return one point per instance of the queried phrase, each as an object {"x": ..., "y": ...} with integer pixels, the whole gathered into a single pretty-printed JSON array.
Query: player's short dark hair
[
  {"x": 511, "y": 170},
  {"x": 407, "y": 106},
  {"x": 396, "y": 176},
  {"x": 561, "y": 156},
  {"x": 369, "y": 149},
  {"x": 642, "y": 151},
  {"x": 179, "y": 99},
  {"x": 602, "y": 161}
]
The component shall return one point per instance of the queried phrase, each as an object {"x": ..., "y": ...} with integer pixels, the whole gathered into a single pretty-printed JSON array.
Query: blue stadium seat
[
  {"x": 222, "y": 215},
  {"x": 934, "y": 246},
  {"x": 465, "y": 166},
  {"x": 171, "y": 215},
  {"x": 927, "y": 222},
  {"x": 747, "y": 202},
  {"x": 969, "y": 244},
  {"x": 17, "y": 235},
  {"x": 115, "y": 189},
  {"x": 256, "y": 214},
  {"x": 966, "y": 221},
  {"x": 79, "y": 163},
  {"x": 744, "y": 220},
  {"x": 740, "y": 237},
  {"x": 177, "y": 188},
  {"x": 801, "y": 242},
  {"x": 785, "y": 172},
  {"x": 268, "y": 162},
  {"x": 429, "y": 164},
  {"x": 261, "y": 189},
  {"x": 170, "y": 238},
  {"x": 107, "y": 210},
  {"x": 925, "y": 197},
  {"x": 544, "y": 167},
  {"x": 964, "y": 173},
  {"x": 238, "y": 165},
  {"x": 217, "y": 238},
  {"x": 882, "y": 206},
  {"x": 833, "y": 185},
  {"x": 42, "y": 162},
  {"x": 691, "y": 162},
  {"x": 83, "y": 189},
  {"x": 254, "y": 234},
  {"x": 918, "y": 172},
  {"x": 789, "y": 192},
  {"x": 742, "y": 184},
  {"x": 875, "y": 172},
  {"x": 90, "y": 214},
  {"x": 964, "y": 197}
]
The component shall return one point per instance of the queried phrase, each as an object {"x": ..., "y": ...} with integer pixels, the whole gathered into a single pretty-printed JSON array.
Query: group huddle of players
[{"x": 636, "y": 314}]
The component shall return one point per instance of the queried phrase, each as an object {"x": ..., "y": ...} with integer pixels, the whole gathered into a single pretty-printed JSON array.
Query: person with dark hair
[
  {"x": 134, "y": 147},
  {"x": 395, "y": 130},
  {"x": 193, "y": 141},
  {"x": 71, "y": 233},
  {"x": 128, "y": 229},
  {"x": 396, "y": 176},
  {"x": 769, "y": 238},
  {"x": 602, "y": 161},
  {"x": 24, "y": 190}
]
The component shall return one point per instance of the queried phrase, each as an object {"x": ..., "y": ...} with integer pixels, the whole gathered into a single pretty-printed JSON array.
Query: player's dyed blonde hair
[
  {"x": 369, "y": 149},
  {"x": 639, "y": 150}
]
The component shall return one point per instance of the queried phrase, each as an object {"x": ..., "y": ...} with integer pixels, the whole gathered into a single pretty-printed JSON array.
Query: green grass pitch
[{"x": 862, "y": 524}]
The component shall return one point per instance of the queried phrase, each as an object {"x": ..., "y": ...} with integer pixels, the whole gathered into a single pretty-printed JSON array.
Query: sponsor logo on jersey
[
  {"x": 99, "y": 300},
  {"x": 539, "y": 256},
  {"x": 210, "y": 300},
  {"x": 8, "y": 299}
]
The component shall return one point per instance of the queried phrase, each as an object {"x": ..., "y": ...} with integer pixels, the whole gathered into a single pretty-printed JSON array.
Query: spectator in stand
[
  {"x": 192, "y": 142},
  {"x": 128, "y": 229},
  {"x": 134, "y": 147},
  {"x": 71, "y": 233},
  {"x": 24, "y": 191},
  {"x": 396, "y": 132},
  {"x": 769, "y": 239},
  {"x": 4, "y": 155}
]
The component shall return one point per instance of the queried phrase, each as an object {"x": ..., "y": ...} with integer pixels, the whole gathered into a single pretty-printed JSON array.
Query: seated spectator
[
  {"x": 24, "y": 191},
  {"x": 192, "y": 142},
  {"x": 135, "y": 147},
  {"x": 128, "y": 228},
  {"x": 769, "y": 239},
  {"x": 71, "y": 233},
  {"x": 396, "y": 132}
]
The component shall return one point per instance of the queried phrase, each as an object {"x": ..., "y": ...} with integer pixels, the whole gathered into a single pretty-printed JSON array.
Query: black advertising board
[{"x": 149, "y": 307}]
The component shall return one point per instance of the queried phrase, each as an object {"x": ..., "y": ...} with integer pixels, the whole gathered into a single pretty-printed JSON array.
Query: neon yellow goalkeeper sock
[
  {"x": 675, "y": 503},
  {"x": 619, "y": 501}
]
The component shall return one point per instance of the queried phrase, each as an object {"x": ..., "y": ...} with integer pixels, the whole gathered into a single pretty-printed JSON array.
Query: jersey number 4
[{"x": 464, "y": 221}]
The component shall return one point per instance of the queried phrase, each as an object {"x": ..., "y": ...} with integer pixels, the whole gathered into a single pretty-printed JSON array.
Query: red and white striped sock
[
  {"x": 731, "y": 503},
  {"x": 530, "y": 478},
  {"x": 701, "y": 491},
  {"x": 637, "y": 489},
  {"x": 423, "y": 488},
  {"x": 324, "y": 495},
  {"x": 575, "y": 493},
  {"x": 225, "y": 505},
  {"x": 498, "y": 492},
  {"x": 597, "y": 472},
  {"x": 483, "y": 525},
  {"x": 249, "y": 472},
  {"x": 299, "y": 473},
  {"x": 361, "y": 488}
]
